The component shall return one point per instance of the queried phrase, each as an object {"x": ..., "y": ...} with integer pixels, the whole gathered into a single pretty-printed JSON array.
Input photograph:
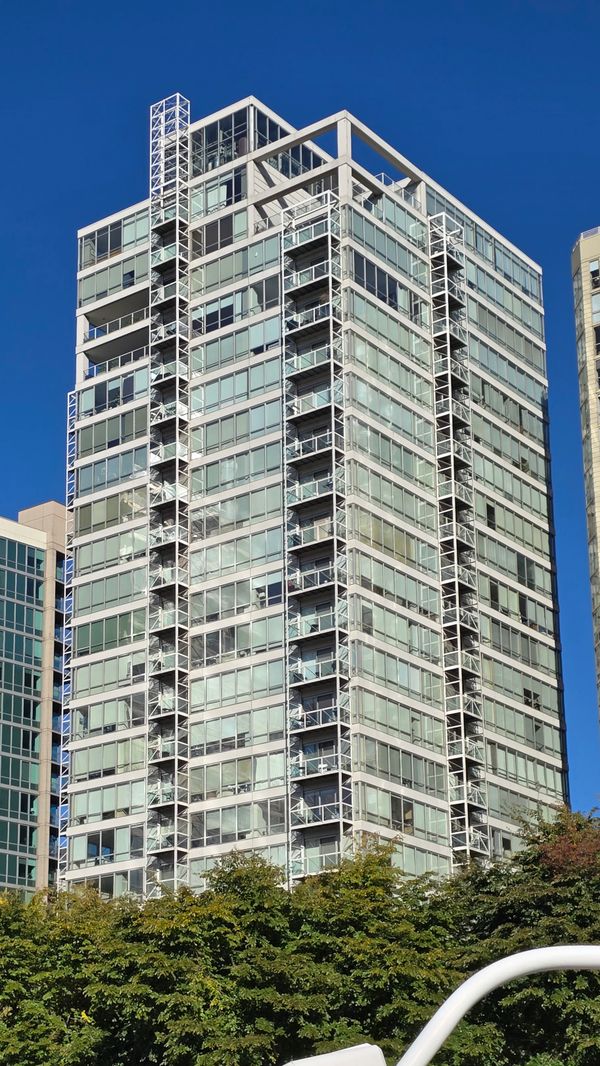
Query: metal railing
[{"x": 106, "y": 328}]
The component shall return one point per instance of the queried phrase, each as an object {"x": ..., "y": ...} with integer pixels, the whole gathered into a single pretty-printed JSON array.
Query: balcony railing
[
  {"x": 317, "y": 669},
  {"x": 170, "y": 368},
  {"x": 312, "y": 624},
  {"x": 95, "y": 369},
  {"x": 295, "y": 320},
  {"x": 465, "y": 576},
  {"x": 315, "y": 864},
  {"x": 297, "y": 278},
  {"x": 166, "y": 534},
  {"x": 303, "y": 814},
  {"x": 164, "y": 331},
  {"x": 303, "y": 535},
  {"x": 472, "y": 749},
  {"x": 312, "y": 401},
  {"x": 298, "y": 361},
  {"x": 162, "y": 412},
  {"x": 300, "y": 580},
  {"x": 166, "y": 492},
  {"x": 307, "y": 766},
  {"x": 166, "y": 575},
  {"x": 168, "y": 292},
  {"x": 161, "y": 748},
  {"x": 106, "y": 328},
  {"x": 162, "y": 792},
  {"x": 163, "y": 254},
  {"x": 309, "y": 490},
  {"x": 162, "y": 453},
  {"x": 302, "y": 446},
  {"x": 310, "y": 718},
  {"x": 313, "y": 231}
]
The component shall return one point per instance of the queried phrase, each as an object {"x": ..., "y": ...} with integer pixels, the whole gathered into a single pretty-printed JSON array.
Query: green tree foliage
[{"x": 248, "y": 974}]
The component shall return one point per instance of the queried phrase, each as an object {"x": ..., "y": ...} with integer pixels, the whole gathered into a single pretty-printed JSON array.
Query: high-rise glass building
[
  {"x": 31, "y": 633},
  {"x": 310, "y": 547},
  {"x": 585, "y": 263}
]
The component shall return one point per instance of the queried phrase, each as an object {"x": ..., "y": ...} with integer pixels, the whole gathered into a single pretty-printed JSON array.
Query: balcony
[
  {"x": 319, "y": 765},
  {"x": 305, "y": 580},
  {"x": 448, "y": 444},
  {"x": 163, "y": 411},
  {"x": 318, "y": 442},
  {"x": 162, "y": 701},
  {"x": 297, "y": 362},
  {"x": 169, "y": 368},
  {"x": 167, "y": 492},
  {"x": 105, "y": 329},
  {"x": 306, "y": 404},
  {"x": 162, "y": 661},
  {"x": 458, "y": 489},
  {"x": 471, "y": 749},
  {"x": 166, "y": 331},
  {"x": 459, "y": 573},
  {"x": 167, "y": 574},
  {"x": 161, "y": 747},
  {"x": 460, "y": 616},
  {"x": 303, "y": 814},
  {"x": 166, "y": 618},
  {"x": 312, "y": 231},
  {"x": 297, "y": 320},
  {"x": 302, "y": 536},
  {"x": 311, "y": 625},
  {"x": 95, "y": 369},
  {"x": 160, "y": 839},
  {"x": 163, "y": 293},
  {"x": 163, "y": 453},
  {"x": 466, "y": 792},
  {"x": 457, "y": 531},
  {"x": 455, "y": 659},
  {"x": 302, "y": 491},
  {"x": 298, "y": 279},
  {"x": 309, "y": 865},
  {"x": 167, "y": 533},
  {"x": 456, "y": 366},
  {"x": 163, "y": 254},
  {"x": 448, "y": 282},
  {"x": 161, "y": 793},
  {"x": 304, "y": 671},
  {"x": 302, "y": 718}
]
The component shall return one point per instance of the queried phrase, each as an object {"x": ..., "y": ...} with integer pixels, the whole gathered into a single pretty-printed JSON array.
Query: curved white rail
[{"x": 564, "y": 957}]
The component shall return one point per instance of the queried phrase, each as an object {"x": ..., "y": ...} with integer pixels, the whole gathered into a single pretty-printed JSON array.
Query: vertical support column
[
  {"x": 461, "y": 655},
  {"x": 167, "y": 802},
  {"x": 315, "y": 561}
]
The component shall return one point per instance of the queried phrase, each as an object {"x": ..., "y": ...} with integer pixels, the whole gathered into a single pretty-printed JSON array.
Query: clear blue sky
[{"x": 498, "y": 101}]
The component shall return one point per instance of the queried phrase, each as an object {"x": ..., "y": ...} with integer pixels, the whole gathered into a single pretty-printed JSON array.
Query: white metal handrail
[{"x": 470, "y": 992}]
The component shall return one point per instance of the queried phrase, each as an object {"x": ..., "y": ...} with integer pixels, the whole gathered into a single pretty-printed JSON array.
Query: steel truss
[
  {"x": 469, "y": 831},
  {"x": 315, "y": 557},
  {"x": 167, "y": 819}
]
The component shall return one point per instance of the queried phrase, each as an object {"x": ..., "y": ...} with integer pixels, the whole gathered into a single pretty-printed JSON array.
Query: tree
[{"x": 248, "y": 974}]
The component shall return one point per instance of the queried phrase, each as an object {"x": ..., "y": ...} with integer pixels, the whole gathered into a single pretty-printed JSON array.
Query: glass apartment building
[
  {"x": 31, "y": 631},
  {"x": 585, "y": 262},
  {"x": 310, "y": 566}
]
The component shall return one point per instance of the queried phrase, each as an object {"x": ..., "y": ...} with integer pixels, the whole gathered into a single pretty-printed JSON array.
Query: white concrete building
[{"x": 310, "y": 545}]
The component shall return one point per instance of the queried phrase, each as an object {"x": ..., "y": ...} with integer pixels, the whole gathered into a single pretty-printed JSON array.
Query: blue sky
[{"x": 498, "y": 101}]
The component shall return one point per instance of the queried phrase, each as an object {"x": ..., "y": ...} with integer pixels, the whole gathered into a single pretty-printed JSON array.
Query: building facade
[
  {"x": 310, "y": 565},
  {"x": 585, "y": 263},
  {"x": 31, "y": 632}
]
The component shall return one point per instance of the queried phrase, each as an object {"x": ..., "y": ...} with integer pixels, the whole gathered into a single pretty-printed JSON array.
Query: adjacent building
[
  {"x": 585, "y": 263},
  {"x": 31, "y": 633},
  {"x": 310, "y": 553}
]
